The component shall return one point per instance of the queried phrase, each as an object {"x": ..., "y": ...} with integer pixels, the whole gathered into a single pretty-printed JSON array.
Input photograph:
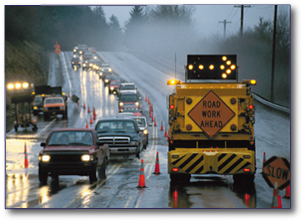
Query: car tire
[{"x": 42, "y": 176}]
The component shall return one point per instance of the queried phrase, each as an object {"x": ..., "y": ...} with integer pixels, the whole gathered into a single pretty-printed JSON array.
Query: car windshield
[
  {"x": 128, "y": 97},
  {"x": 127, "y": 87},
  {"x": 38, "y": 99},
  {"x": 116, "y": 126},
  {"x": 53, "y": 100},
  {"x": 140, "y": 121},
  {"x": 71, "y": 138}
]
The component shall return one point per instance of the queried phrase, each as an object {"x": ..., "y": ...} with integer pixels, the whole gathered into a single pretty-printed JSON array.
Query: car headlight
[
  {"x": 109, "y": 69},
  {"x": 72, "y": 62},
  {"x": 86, "y": 157},
  {"x": 112, "y": 88},
  {"x": 80, "y": 52},
  {"x": 35, "y": 107},
  {"x": 121, "y": 104},
  {"x": 90, "y": 64},
  {"x": 84, "y": 65},
  {"x": 45, "y": 158},
  {"x": 137, "y": 103},
  {"x": 106, "y": 80},
  {"x": 145, "y": 131}
]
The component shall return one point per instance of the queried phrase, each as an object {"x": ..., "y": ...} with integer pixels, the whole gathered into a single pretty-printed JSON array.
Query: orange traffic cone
[
  {"x": 152, "y": 118},
  {"x": 86, "y": 123},
  {"x": 148, "y": 101},
  {"x": 26, "y": 162},
  {"x": 287, "y": 192},
  {"x": 155, "y": 123},
  {"x": 161, "y": 125},
  {"x": 146, "y": 98},
  {"x": 84, "y": 106},
  {"x": 165, "y": 132},
  {"x": 157, "y": 167},
  {"x": 149, "y": 113},
  {"x": 276, "y": 199},
  {"x": 77, "y": 104},
  {"x": 88, "y": 109},
  {"x": 69, "y": 94},
  {"x": 142, "y": 177},
  {"x": 151, "y": 107},
  {"x": 94, "y": 111},
  {"x": 94, "y": 116}
]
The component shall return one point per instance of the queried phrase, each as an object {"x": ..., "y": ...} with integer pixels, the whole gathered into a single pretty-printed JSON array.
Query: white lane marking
[
  {"x": 66, "y": 71},
  {"x": 154, "y": 148},
  {"x": 44, "y": 129},
  {"x": 127, "y": 203}
]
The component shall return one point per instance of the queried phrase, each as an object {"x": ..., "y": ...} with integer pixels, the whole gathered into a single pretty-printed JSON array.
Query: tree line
[{"x": 158, "y": 31}]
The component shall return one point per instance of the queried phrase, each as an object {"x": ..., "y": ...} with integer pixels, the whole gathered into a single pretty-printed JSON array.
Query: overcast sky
[{"x": 208, "y": 17}]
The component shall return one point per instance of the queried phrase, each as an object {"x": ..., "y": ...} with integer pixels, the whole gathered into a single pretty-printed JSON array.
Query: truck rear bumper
[{"x": 223, "y": 161}]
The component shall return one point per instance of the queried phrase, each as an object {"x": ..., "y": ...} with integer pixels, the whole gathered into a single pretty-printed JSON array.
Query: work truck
[{"x": 211, "y": 121}]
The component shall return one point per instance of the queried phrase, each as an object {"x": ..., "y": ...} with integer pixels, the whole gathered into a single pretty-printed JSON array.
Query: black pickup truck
[{"x": 123, "y": 136}]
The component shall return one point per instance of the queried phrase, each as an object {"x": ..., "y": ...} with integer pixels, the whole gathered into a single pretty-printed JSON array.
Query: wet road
[{"x": 120, "y": 190}]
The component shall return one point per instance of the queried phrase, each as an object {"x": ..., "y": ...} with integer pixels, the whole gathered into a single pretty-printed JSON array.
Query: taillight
[
  {"x": 251, "y": 107},
  {"x": 247, "y": 170},
  {"x": 175, "y": 169},
  {"x": 171, "y": 106}
]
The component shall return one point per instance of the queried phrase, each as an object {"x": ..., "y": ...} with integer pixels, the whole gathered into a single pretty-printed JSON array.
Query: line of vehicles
[
  {"x": 82, "y": 151},
  {"x": 211, "y": 126}
]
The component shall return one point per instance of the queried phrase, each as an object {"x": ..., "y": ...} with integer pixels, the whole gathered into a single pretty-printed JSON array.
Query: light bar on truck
[
  {"x": 249, "y": 82},
  {"x": 173, "y": 82},
  {"x": 211, "y": 67}
]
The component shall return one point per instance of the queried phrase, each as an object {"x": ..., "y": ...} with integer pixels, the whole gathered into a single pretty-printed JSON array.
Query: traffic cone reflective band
[
  {"x": 26, "y": 162},
  {"x": 142, "y": 177},
  {"x": 157, "y": 167},
  {"x": 86, "y": 123},
  {"x": 276, "y": 199},
  {"x": 161, "y": 125},
  {"x": 287, "y": 192}
]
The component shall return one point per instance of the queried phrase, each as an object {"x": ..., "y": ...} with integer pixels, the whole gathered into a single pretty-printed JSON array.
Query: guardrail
[{"x": 270, "y": 104}]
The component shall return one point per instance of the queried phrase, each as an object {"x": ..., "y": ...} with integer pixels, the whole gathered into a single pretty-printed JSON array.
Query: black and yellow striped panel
[
  {"x": 190, "y": 163},
  {"x": 229, "y": 163}
]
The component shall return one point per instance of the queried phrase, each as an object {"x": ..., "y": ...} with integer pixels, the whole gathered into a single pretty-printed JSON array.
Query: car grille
[
  {"x": 115, "y": 141},
  {"x": 53, "y": 109},
  {"x": 66, "y": 156}
]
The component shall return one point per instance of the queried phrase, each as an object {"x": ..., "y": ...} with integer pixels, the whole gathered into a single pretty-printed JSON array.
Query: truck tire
[
  {"x": 102, "y": 171},
  {"x": 45, "y": 116},
  {"x": 180, "y": 178},
  {"x": 92, "y": 176},
  {"x": 43, "y": 176},
  {"x": 243, "y": 178}
]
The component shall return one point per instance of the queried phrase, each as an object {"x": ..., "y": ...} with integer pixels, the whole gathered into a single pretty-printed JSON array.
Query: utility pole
[
  {"x": 242, "y": 16},
  {"x": 273, "y": 53},
  {"x": 224, "y": 27}
]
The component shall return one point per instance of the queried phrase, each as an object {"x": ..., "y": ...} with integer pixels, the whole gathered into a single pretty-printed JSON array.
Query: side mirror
[{"x": 43, "y": 144}]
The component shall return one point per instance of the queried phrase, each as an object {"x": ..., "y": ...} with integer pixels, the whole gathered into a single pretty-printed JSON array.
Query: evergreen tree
[{"x": 115, "y": 33}]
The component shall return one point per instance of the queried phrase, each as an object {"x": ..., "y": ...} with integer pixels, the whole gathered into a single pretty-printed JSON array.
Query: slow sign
[
  {"x": 211, "y": 114},
  {"x": 277, "y": 170}
]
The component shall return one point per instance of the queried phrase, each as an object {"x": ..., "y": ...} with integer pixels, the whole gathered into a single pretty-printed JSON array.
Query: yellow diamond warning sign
[{"x": 211, "y": 114}]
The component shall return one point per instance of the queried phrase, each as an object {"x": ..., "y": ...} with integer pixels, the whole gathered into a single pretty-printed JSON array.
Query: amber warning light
[{"x": 211, "y": 67}]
